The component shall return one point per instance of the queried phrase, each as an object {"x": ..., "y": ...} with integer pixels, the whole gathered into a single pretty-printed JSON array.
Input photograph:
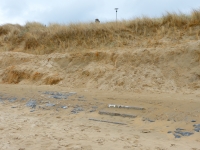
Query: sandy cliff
[{"x": 162, "y": 68}]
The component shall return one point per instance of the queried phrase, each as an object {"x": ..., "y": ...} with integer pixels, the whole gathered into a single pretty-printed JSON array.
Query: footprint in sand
[
  {"x": 114, "y": 139},
  {"x": 74, "y": 147},
  {"x": 100, "y": 141},
  {"x": 136, "y": 136},
  {"x": 79, "y": 136},
  {"x": 159, "y": 148},
  {"x": 78, "y": 147},
  {"x": 122, "y": 138},
  {"x": 86, "y": 148},
  {"x": 127, "y": 147},
  {"x": 97, "y": 129},
  {"x": 1, "y": 128}
]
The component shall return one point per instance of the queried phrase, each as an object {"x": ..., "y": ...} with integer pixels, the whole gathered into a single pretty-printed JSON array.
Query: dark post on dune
[
  {"x": 97, "y": 21},
  {"x": 116, "y": 13}
]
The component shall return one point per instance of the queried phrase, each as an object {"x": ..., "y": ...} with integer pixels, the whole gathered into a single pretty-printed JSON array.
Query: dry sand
[{"x": 164, "y": 79}]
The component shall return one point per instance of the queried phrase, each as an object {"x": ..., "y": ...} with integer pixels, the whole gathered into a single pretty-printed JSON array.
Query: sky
[{"x": 76, "y": 11}]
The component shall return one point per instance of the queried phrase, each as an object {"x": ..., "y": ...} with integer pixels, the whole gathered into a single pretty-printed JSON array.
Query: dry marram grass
[{"x": 38, "y": 39}]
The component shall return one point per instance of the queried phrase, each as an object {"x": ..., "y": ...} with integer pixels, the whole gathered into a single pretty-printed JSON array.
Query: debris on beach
[
  {"x": 179, "y": 132},
  {"x": 77, "y": 109},
  {"x": 59, "y": 95},
  {"x": 127, "y": 107},
  {"x": 12, "y": 99},
  {"x": 116, "y": 114},
  {"x": 107, "y": 121},
  {"x": 64, "y": 107},
  {"x": 32, "y": 103},
  {"x": 50, "y": 104},
  {"x": 196, "y": 127}
]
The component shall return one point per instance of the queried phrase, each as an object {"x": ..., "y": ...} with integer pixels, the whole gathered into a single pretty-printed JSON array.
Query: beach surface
[{"x": 55, "y": 117}]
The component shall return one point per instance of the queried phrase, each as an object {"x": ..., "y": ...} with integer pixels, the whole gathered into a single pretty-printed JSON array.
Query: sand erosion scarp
[{"x": 154, "y": 69}]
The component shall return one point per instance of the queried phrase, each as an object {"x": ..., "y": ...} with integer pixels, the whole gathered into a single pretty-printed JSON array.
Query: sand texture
[{"x": 54, "y": 117}]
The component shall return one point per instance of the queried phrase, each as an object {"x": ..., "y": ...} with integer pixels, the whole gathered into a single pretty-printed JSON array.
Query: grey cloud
[
  {"x": 72, "y": 11},
  {"x": 13, "y": 8},
  {"x": 75, "y": 11},
  {"x": 155, "y": 8}
]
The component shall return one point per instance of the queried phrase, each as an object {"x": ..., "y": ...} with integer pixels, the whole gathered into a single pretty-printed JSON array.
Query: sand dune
[{"x": 165, "y": 69}]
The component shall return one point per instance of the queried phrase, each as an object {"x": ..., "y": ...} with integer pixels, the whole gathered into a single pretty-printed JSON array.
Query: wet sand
[{"x": 66, "y": 123}]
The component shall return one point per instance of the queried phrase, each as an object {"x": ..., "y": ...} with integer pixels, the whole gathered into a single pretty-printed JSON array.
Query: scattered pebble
[
  {"x": 184, "y": 133},
  {"x": 58, "y": 95},
  {"x": 146, "y": 131},
  {"x": 196, "y": 127},
  {"x": 81, "y": 100},
  {"x": 151, "y": 120},
  {"x": 77, "y": 110},
  {"x": 32, "y": 103},
  {"x": 50, "y": 105},
  {"x": 64, "y": 107},
  {"x": 147, "y": 119},
  {"x": 12, "y": 99},
  {"x": 179, "y": 129},
  {"x": 180, "y": 132},
  {"x": 22, "y": 99},
  {"x": 14, "y": 107},
  {"x": 177, "y": 136},
  {"x": 93, "y": 110},
  {"x": 172, "y": 145}
]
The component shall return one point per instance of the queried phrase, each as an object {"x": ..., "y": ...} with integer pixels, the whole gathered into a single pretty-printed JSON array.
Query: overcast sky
[{"x": 74, "y": 11}]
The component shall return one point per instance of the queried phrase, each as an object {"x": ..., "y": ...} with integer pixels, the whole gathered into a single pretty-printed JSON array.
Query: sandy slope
[
  {"x": 56, "y": 128},
  {"x": 164, "y": 68}
]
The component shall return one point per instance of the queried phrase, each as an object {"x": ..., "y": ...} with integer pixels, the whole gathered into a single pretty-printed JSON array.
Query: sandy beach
[{"x": 46, "y": 126}]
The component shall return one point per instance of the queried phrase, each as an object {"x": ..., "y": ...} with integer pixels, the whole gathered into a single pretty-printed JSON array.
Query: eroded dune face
[{"x": 164, "y": 68}]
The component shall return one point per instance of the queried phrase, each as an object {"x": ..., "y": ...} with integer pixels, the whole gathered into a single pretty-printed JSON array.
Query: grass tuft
[{"x": 37, "y": 38}]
